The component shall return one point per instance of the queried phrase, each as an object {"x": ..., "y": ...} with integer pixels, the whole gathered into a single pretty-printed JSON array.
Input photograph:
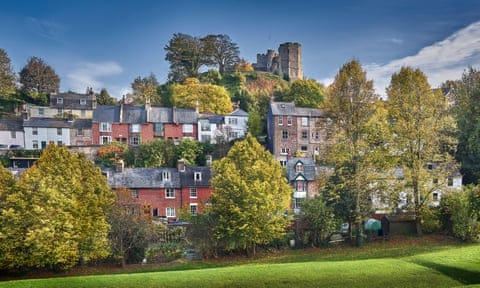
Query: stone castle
[{"x": 286, "y": 63}]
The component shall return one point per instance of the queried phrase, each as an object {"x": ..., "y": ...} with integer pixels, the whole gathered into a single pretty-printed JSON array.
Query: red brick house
[{"x": 173, "y": 123}]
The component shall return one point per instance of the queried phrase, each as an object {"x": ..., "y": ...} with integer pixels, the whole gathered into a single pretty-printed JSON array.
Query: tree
[
  {"x": 254, "y": 123},
  {"x": 352, "y": 151},
  {"x": 157, "y": 153},
  {"x": 467, "y": 92},
  {"x": 222, "y": 51},
  {"x": 38, "y": 77},
  {"x": 305, "y": 93},
  {"x": 417, "y": 113},
  {"x": 188, "y": 150},
  {"x": 186, "y": 55},
  {"x": 207, "y": 97},
  {"x": 7, "y": 76},
  {"x": 145, "y": 88},
  {"x": 250, "y": 196},
  {"x": 105, "y": 99},
  {"x": 319, "y": 218},
  {"x": 56, "y": 213}
]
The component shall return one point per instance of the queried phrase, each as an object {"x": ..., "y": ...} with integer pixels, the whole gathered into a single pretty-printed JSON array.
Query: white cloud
[
  {"x": 90, "y": 74},
  {"x": 444, "y": 60}
]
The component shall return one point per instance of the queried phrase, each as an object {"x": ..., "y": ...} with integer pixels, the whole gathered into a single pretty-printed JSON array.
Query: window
[
  {"x": 59, "y": 143},
  {"x": 170, "y": 212},
  {"x": 435, "y": 196},
  {"x": 280, "y": 120},
  {"x": 44, "y": 144},
  {"x": 105, "y": 140},
  {"x": 232, "y": 121},
  {"x": 158, "y": 127},
  {"x": 193, "y": 209},
  {"x": 105, "y": 127},
  {"x": 430, "y": 166},
  {"x": 304, "y": 135},
  {"x": 155, "y": 212},
  {"x": 316, "y": 135},
  {"x": 206, "y": 138},
  {"x": 304, "y": 148},
  {"x": 59, "y": 131},
  {"x": 59, "y": 111},
  {"x": 187, "y": 128},
  {"x": 449, "y": 181},
  {"x": 300, "y": 186},
  {"x": 41, "y": 111},
  {"x": 34, "y": 131},
  {"x": 285, "y": 135},
  {"x": 83, "y": 101},
  {"x": 13, "y": 134},
  {"x": 233, "y": 135},
  {"x": 79, "y": 132},
  {"x": 83, "y": 113},
  {"x": 289, "y": 120},
  {"x": 283, "y": 163},
  {"x": 204, "y": 125},
  {"x": 134, "y": 193},
  {"x": 135, "y": 141},
  {"x": 166, "y": 176},
  {"x": 35, "y": 144},
  {"x": 135, "y": 128},
  {"x": 284, "y": 151},
  {"x": 299, "y": 167},
  {"x": 304, "y": 121},
  {"x": 197, "y": 176},
  {"x": 193, "y": 192},
  {"x": 59, "y": 100},
  {"x": 169, "y": 193},
  {"x": 80, "y": 143}
]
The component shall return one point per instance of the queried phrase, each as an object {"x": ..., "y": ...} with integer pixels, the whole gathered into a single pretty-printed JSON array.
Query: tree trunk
[{"x": 359, "y": 234}]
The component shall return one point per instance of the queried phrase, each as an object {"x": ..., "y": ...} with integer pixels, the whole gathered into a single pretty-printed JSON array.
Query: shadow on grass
[{"x": 463, "y": 276}]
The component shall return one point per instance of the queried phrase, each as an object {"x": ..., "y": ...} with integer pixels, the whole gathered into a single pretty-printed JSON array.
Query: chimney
[
  {"x": 122, "y": 105},
  {"x": 147, "y": 109},
  {"x": 119, "y": 166},
  {"x": 181, "y": 165}
]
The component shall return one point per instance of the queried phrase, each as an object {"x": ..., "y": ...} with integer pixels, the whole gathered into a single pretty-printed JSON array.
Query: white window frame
[
  {"x": 280, "y": 120},
  {"x": 304, "y": 121},
  {"x": 187, "y": 128},
  {"x": 193, "y": 192},
  {"x": 83, "y": 101},
  {"x": 134, "y": 193},
  {"x": 135, "y": 140},
  {"x": 170, "y": 212},
  {"x": 59, "y": 100},
  {"x": 105, "y": 127},
  {"x": 197, "y": 176},
  {"x": 169, "y": 193},
  {"x": 59, "y": 132},
  {"x": 194, "y": 209},
  {"x": 34, "y": 130},
  {"x": 289, "y": 120},
  {"x": 166, "y": 176},
  {"x": 41, "y": 111},
  {"x": 35, "y": 144},
  {"x": 108, "y": 138},
  {"x": 135, "y": 128}
]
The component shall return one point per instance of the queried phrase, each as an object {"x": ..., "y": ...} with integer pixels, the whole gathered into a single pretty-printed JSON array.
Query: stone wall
[{"x": 286, "y": 63}]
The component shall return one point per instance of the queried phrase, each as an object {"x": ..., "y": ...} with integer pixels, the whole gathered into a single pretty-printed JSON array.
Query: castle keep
[{"x": 286, "y": 63}]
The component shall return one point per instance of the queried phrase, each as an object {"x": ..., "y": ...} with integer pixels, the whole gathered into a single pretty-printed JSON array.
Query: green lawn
[{"x": 446, "y": 266}]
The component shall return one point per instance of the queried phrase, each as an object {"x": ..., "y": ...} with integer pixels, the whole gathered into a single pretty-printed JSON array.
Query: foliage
[
  {"x": 305, "y": 93},
  {"x": 38, "y": 77},
  {"x": 54, "y": 216},
  {"x": 255, "y": 126},
  {"x": 188, "y": 150},
  {"x": 169, "y": 247},
  {"x": 157, "y": 153},
  {"x": 105, "y": 99},
  {"x": 419, "y": 122},
  {"x": 145, "y": 89},
  {"x": 244, "y": 66},
  {"x": 460, "y": 213},
  {"x": 467, "y": 92},
  {"x": 319, "y": 219},
  {"x": 221, "y": 51},
  {"x": 209, "y": 98},
  {"x": 355, "y": 155},
  {"x": 7, "y": 76},
  {"x": 165, "y": 93},
  {"x": 249, "y": 198},
  {"x": 186, "y": 55},
  {"x": 108, "y": 154}
]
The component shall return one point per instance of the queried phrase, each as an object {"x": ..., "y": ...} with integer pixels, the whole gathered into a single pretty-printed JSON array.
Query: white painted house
[
  {"x": 11, "y": 133},
  {"x": 39, "y": 132},
  {"x": 235, "y": 124}
]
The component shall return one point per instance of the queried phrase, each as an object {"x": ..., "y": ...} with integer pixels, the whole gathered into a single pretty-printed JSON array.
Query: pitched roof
[
  {"x": 47, "y": 122},
  {"x": 309, "y": 169},
  {"x": 133, "y": 114},
  {"x": 145, "y": 178},
  {"x": 188, "y": 177},
  {"x": 106, "y": 113},
  {"x": 71, "y": 100},
  {"x": 82, "y": 124},
  {"x": 11, "y": 125},
  {"x": 289, "y": 108},
  {"x": 239, "y": 113},
  {"x": 173, "y": 115}
]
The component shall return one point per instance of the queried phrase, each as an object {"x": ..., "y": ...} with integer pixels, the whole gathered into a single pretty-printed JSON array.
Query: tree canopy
[
  {"x": 37, "y": 76},
  {"x": 222, "y": 51},
  {"x": 105, "y": 99},
  {"x": 250, "y": 196},
  {"x": 305, "y": 93},
  {"x": 7, "y": 76},
  {"x": 145, "y": 88}
]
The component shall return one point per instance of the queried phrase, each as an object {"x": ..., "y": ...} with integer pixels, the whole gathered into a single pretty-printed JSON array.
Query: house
[
  {"x": 41, "y": 131},
  {"x": 294, "y": 131},
  {"x": 79, "y": 105},
  {"x": 11, "y": 133},
  {"x": 235, "y": 124},
  {"x": 210, "y": 128},
  {"x": 81, "y": 132},
  {"x": 164, "y": 192},
  {"x": 173, "y": 123},
  {"x": 125, "y": 123}
]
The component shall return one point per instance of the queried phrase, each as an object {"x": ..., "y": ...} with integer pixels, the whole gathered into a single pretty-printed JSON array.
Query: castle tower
[{"x": 291, "y": 61}]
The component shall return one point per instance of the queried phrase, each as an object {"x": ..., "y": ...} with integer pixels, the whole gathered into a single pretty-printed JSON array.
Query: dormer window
[
  {"x": 166, "y": 176},
  {"x": 59, "y": 100},
  {"x": 83, "y": 101},
  {"x": 299, "y": 167},
  {"x": 197, "y": 176}
]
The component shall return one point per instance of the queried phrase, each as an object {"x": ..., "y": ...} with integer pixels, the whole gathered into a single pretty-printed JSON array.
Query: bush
[{"x": 431, "y": 219}]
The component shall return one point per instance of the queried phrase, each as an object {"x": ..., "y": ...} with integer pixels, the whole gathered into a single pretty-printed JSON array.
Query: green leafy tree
[
  {"x": 354, "y": 154},
  {"x": 467, "y": 92},
  {"x": 250, "y": 196},
  {"x": 56, "y": 214},
  {"x": 209, "y": 98},
  {"x": 319, "y": 219},
  {"x": 7, "y": 76},
  {"x": 145, "y": 88},
  {"x": 186, "y": 55},
  {"x": 254, "y": 124},
  {"x": 188, "y": 150},
  {"x": 222, "y": 51},
  {"x": 165, "y": 93},
  {"x": 418, "y": 124},
  {"x": 105, "y": 99},
  {"x": 38, "y": 77},
  {"x": 157, "y": 153},
  {"x": 305, "y": 93}
]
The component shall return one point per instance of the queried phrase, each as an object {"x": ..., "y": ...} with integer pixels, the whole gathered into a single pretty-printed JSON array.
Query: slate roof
[
  {"x": 188, "y": 179},
  {"x": 309, "y": 169},
  {"x": 133, "y": 114},
  {"x": 11, "y": 125},
  {"x": 144, "y": 178},
  {"x": 289, "y": 108},
  {"x": 106, "y": 113},
  {"x": 47, "y": 122},
  {"x": 173, "y": 115},
  {"x": 216, "y": 119},
  {"x": 239, "y": 113},
  {"x": 82, "y": 124},
  {"x": 71, "y": 100}
]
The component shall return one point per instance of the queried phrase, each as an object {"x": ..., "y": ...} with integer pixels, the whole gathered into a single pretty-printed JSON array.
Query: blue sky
[{"x": 106, "y": 44}]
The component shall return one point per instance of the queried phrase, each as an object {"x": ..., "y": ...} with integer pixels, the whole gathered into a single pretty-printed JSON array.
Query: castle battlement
[{"x": 286, "y": 63}]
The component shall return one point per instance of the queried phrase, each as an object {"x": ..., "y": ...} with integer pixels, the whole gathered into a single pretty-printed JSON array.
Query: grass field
[{"x": 377, "y": 265}]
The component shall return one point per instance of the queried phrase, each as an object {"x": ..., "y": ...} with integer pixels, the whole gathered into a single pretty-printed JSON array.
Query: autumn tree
[
  {"x": 38, "y": 77},
  {"x": 250, "y": 196},
  {"x": 354, "y": 150},
  {"x": 305, "y": 93},
  {"x": 209, "y": 98},
  {"x": 157, "y": 153},
  {"x": 7, "y": 76},
  {"x": 319, "y": 219},
  {"x": 103, "y": 98},
  {"x": 222, "y": 51},
  {"x": 56, "y": 215},
  {"x": 145, "y": 88},
  {"x": 417, "y": 113},
  {"x": 186, "y": 55}
]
